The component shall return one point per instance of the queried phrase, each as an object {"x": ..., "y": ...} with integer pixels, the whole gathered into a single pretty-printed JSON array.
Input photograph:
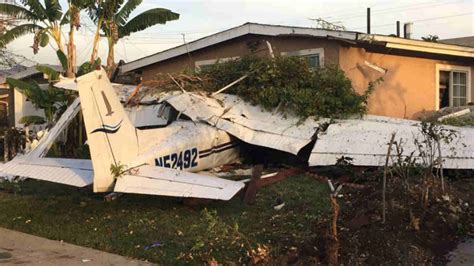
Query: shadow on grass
[{"x": 130, "y": 224}]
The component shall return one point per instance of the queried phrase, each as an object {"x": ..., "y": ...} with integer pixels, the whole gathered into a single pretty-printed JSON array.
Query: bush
[{"x": 286, "y": 83}]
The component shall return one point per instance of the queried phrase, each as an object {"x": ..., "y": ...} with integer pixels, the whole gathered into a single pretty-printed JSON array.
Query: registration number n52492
[{"x": 182, "y": 160}]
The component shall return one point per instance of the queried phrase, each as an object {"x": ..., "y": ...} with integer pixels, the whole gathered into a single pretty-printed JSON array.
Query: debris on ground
[{"x": 154, "y": 245}]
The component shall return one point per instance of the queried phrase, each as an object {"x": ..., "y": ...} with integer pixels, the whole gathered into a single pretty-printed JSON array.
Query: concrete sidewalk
[
  {"x": 463, "y": 254},
  {"x": 19, "y": 248}
]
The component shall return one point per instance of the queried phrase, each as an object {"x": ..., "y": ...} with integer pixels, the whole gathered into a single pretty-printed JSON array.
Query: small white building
[{"x": 16, "y": 104}]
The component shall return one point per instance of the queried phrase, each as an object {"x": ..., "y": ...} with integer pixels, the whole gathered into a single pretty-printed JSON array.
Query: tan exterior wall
[
  {"x": 239, "y": 47},
  {"x": 409, "y": 86}
]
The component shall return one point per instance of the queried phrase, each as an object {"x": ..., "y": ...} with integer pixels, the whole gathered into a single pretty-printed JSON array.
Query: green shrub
[
  {"x": 286, "y": 83},
  {"x": 291, "y": 85}
]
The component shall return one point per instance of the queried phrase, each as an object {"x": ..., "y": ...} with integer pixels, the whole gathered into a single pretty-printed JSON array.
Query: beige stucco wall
[
  {"x": 409, "y": 86},
  {"x": 239, "y": 47}
]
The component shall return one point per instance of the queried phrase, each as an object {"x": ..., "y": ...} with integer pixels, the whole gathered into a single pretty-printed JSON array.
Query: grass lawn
[{"x": 128, "y": 226}]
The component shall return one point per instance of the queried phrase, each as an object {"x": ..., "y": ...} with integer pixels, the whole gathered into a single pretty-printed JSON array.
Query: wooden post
[
  {"x": 251, "y": 191},
  {"x": 384, "y": 188},
  {"x": 440, "y": 158}
]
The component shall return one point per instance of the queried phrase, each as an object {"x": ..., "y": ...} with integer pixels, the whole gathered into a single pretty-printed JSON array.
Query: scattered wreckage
[{"x": 177, "y": 135}]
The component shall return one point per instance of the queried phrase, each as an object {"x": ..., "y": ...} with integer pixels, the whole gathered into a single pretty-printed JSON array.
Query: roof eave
[
  {"x": 248, "y": 28},
  {"x": 419, "y": 46}
]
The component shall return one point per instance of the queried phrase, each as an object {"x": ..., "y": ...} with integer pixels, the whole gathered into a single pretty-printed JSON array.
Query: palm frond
[
  {"x": 82, "y": 4},
  {"x": 122, "y": 16},
  {"x": 53, "y": 10},
  {"x": 17, "y": 12},
  {"x": 94, "y": 11},
  {"x": 65, "y": 19},
  {"x": 32, "y": 120},
  {"x": 52, "y": 74},
  {"x": 18, "y": 31},
  {"x": 111, "y": 7},
  {"x": 17, "y": 83},
  {"x": 36, "y": 7},
  {"x": 147, "y": 19},
  {"x": 88, "y": 67},
  {"x": 62, "y": 59},
  {"x": 30, "y": 89}
]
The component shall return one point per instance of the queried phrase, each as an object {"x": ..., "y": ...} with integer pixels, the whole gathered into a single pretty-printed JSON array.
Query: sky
[{"x": 199, "y": 18}]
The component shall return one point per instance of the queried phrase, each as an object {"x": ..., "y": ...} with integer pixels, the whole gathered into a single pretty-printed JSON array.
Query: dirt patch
[
  {"x": 412, "y": 234},
  {"x": 5, "y": 255}
]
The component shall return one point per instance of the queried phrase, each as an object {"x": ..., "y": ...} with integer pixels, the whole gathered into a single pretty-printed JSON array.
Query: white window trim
[
  {"x": 200, "y": 63},
  {"x": 444, "y": 67},
  {"x": 305, "y": 52}
]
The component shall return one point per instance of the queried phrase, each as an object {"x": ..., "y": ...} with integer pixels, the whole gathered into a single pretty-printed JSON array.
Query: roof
[
  {"x": 10, "y": 71},
  {"x": 276, "y": 30},
  {"x": 464, "y": 41},
  {"x": 418, "y": 45},
  {"x": 247, "y": 28},
  {"x": 24, "y": 73}
]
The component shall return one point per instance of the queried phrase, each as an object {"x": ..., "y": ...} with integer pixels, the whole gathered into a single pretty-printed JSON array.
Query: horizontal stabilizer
[
  {"x": 154, "y": 180},
  {"x": 73, "y": 172}
]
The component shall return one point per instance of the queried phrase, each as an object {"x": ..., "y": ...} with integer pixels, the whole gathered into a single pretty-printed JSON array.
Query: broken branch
[
  {"x": 179, "y": 85},
  {"x": 230, "y": 85}
]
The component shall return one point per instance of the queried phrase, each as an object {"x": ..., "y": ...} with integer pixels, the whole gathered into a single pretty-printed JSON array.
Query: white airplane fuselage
[{"x": 185, "y": 145}]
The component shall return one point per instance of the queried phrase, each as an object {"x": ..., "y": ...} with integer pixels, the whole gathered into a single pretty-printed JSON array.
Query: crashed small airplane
[
  {"x": 155, "y": 161},
  {"x": 169, "y": 159}
]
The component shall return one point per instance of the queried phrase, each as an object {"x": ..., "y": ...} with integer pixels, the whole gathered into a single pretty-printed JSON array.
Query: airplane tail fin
[{"x": 112, "y": 137}]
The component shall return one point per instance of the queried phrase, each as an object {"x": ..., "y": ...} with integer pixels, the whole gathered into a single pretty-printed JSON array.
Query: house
[
  {"x": 464, "y": 41},
  {"x": 418, "y": 76},
  {"x": 13, "y": 104}
]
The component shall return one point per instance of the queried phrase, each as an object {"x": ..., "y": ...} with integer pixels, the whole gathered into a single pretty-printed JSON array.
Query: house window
[
  {"x": 454, "y": 88},
  {"x": 459, "y": 88},
  {"x": 314, "y": 57},
  {"x": 203, "y": 65},
  {"x": 312, "y": 60}
]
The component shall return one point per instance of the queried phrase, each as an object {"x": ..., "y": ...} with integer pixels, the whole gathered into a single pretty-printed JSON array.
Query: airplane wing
[
  {"x": 73, "y": 172},
  {"x": 154, "y": 180},
  {"x": 365, "y": 141},
  {"x": 47, "y": 141}
]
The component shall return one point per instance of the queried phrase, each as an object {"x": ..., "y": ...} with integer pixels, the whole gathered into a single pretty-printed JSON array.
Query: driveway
[{"x": 22, "y": 249}]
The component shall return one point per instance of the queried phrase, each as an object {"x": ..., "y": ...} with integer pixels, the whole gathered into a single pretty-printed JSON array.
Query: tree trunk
[
  {"x": 110, "y": 57},
  {"x": 56, "y": 34},
  {"x": 95, "y": 46},
  {"x": 71, "y": 54},
  {"x": 332, "y": 249}
]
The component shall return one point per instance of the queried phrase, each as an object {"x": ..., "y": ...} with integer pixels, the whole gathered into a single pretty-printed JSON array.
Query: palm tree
[
  {"x": 74, "y": 15},
  {"x": 112, "y": 18},
  {"x": 43, "y": 20},
  {"x": 52, "y": 100}
]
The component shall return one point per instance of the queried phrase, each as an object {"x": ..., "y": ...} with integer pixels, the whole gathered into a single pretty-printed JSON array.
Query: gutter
[
  {"x": 232, "y": 33},
  {"x": 417, "y": 45}
]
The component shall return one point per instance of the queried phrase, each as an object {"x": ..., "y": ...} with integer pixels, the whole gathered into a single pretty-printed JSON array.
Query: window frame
[
  {"x": 451, "y": 69},
  {"x": 207, "y": 62},
  {"x": 307, "y": 52}
]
